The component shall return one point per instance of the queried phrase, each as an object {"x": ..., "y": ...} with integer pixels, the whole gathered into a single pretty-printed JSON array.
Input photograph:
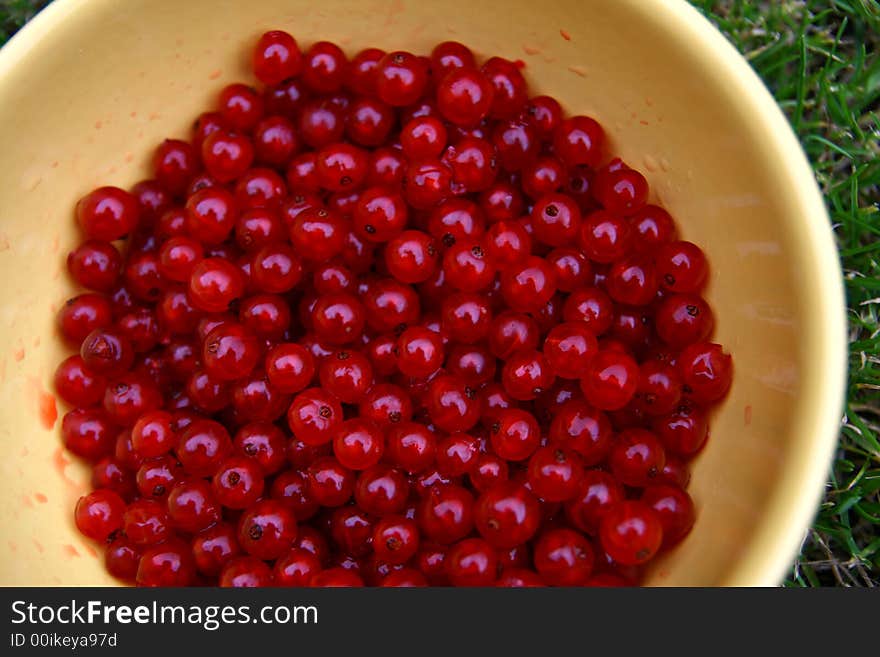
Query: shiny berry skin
[
  {"x": 167, "y": 564},
  {"x": 276, "y": 268},
  {"x": 456, "y": 219},
  {"x": 405, "y": 577},
  {"x": 452, "y": 404},
  {"x": 208, "y": 394},
  {"x": 631, "y": 533},
  {"x": 275, "y": 141},
  {"x": 245, "y": 572},
  {"x": 510, "y": 92},
  {"x": 241, "y": 106},
  {"x": 341, "y": 167},
  {"x": 637, "y": 457},
  {"x": 426, "y": 183},
  {"x": 390, "y": 305},
  {"x": 683, "y": 319},
  {"x": 682, "y": 432},
  {"x": 467, "y": 267},
  {"x": 572, "y": 269},
  {"x": 267, "y": 530},
  {"x": 515, "y": 434},
  {"x": 401, "y": 78},
  {"x": 487, "y": 471},
  {"x": 556, "y": 219},
  {"x": 511, "y": 332},
  {"x": 466, "y": 317},
  {"x": 296, "y": 568},
  {"x": 449, "y": 56},
  {"x": 153, "y": 434},
  {"x": 395, "y": 539},
  {"x": 336, "y": 577},
  {"x": 423, "y": 137},
  {"x": 100, "y": 514},
  {"x": 329, "y": 483},
  {"x": 604, "y": 237},
  {"x": 156, "y": 477},
  {"x": 597, "y": 493},
  {"x": 83, "y": 314},
  {"x": 706, "y": 372},
  {"x": 474, "y": 164},
  {"x": 586, "y": 430},
  {"x": 361, "y": 74},
  {"x": 473, "y": 363},
  {"x": 507, "y": 515},
  {"x": 214, "y": 284},
  {"x": 314, "y": 415},
  {"x": 544, "y": 114},
  {"x": 526, "y": 374},
  {"x": 554, "y": 473},
  {"x": 411, "y": 446},
  {"x": 681, "y": 267},
  {"x": 623, "y": 192},
  {"x": 146, "y": 523},
  {"x": 318, "y": 234},
  {"x": 115, "y": 475},
  {"x": 227, "y": 156},
  {"x": 578, "y": 140},
  {"x": 529, "y": 285},
  {"x": 591, "y": 306},
  {"x": 507, "y": 243},
  {"x": 568, "y": 348},
  {"x": 129, "y": 396},
  {"x": 214, "y": 547},
  {"x": 276, "y": 57},
  {"x": 446, "y": 514},
  {"x": 611, "y": 380},
  {"x": 121, "y": 559},
  {"x": 380, "y": 214},
  {"x": 177, "y": 258},
  {"x": 358, "y": 444},
  {"x": 457, "y": 454},
  {"x": 386, "y": 404},
  {"x": 192, "y": 506},
  {"x": 411, "y": 257},
  {"x": 674, "y": 508},
  {"x": 338, "y": 318},
  {"x": 563, "y": 558},
  {"x": 472, "y": 562},
  {"x": 464, "y": 96},
  {"x": 290, "y": 367},
  {"x": 95, "y": 265},
  {"x": 175, "y": 163},
  {"x": 238, "y": 483},
  {"x": 230, "y": 352},
  {"x": 259, "y": 188},
  {"x": 632, "y": 281},
  {"x": 211, "y": 214},
  {"x": 107, "y": 214},
  {"x": 660, "y": 386},
  {"x": 202, "y": 447},
  {"x": 266, "y": 315},
  {"x": 419, "y": 352},
  {"x": 381, "y": 490},
  {"x": 76, "y": 384},
  {"x": 347, "y": 375}
]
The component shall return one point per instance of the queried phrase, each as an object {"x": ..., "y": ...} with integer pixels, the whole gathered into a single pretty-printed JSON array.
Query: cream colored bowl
[{"x": 91, "y": 86}]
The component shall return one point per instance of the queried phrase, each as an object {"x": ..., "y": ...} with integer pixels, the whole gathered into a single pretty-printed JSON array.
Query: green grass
[{"x": 820, "y": 59}]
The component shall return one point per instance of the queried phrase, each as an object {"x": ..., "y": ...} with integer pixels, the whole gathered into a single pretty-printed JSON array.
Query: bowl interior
[{"x": 89, "y": 89}]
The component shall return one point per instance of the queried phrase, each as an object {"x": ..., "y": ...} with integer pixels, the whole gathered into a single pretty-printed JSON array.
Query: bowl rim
[{"x": 792, "y": 506}]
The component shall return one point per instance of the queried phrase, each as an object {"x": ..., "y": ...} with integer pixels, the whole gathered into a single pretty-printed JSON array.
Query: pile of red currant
[{"x": 386, "y": 321}]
